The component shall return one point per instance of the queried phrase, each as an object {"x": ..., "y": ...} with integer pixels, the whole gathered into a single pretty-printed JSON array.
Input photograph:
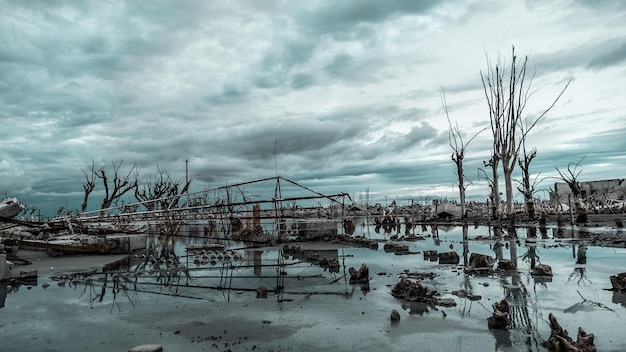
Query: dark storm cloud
[
  {"x": 345, "y": 16},
  {"x": 615, "y": 55},
  {"x": 338, "y": 94}
]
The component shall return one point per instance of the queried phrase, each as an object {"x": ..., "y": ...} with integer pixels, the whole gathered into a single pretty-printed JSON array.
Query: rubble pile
[{"x": 414, "y": 291}]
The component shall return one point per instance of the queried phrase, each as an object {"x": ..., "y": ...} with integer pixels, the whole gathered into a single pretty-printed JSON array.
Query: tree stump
[
  {"x": 359, "y": 276},
  {"x": 500, "y": 319},
  {"x": 560, "y": 341},
  {"x": 395, "y": 316}
]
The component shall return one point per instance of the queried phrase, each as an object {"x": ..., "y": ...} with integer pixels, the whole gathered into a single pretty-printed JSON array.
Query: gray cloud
[{"x": 340, "y": 96}]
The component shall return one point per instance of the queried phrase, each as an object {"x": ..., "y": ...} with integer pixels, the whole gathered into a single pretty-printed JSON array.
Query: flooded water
[{"x": 205, "y": 299}]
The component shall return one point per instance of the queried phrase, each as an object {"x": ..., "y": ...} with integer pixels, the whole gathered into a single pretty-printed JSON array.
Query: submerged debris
[
  {"x": 359, "y": 276},
  {"x": 560, "y": 341},
  {"x": 261, "y": 292},
  {"x": 619, "y": 282},
  {"x": 500, "y": 319},
  {"x": 449, "y": 258},
  {"x": 414, "y": 291},
  {"x": 395, "y": 316}
]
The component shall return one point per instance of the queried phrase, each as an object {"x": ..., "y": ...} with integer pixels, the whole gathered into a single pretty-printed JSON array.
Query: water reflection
[{"x": 194, "y": 265}]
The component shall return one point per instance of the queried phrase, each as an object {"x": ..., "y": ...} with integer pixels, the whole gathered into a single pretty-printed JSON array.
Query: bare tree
[
  {"x": 527, "y": 188},
  {"x": 506, "y": 106},
  {"x": 120, "y": 185},
  {"x": 494, "y": 196},
  {"x": 571, "y": 178},
  {"x": 455, "y": 139},
  {"x": 89, "y": 184}
]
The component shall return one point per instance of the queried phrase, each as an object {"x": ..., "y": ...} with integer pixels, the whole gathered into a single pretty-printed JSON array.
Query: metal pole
[{"x": 187, "y": 179}]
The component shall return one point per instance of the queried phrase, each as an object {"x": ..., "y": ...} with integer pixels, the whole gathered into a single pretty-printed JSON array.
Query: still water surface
[{"x": 196, "y": 300}]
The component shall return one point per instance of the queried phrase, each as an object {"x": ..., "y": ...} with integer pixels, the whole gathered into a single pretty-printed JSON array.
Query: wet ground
[{"x": 207, "y": 301}]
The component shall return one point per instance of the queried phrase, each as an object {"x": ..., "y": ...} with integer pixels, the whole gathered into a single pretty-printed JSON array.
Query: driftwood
[{"x": 560, "y": 341}]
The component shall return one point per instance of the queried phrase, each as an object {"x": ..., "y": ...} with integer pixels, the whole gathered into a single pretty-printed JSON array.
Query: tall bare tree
[
  {"x": 455, "y": 139},
  {"x": 506, "y": 102}
]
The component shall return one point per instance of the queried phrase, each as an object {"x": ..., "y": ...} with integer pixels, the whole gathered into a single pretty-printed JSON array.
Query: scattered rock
[
  {"x": 261, "y": 292},
  {"x": 560, "y": 341},
  {"x": 395, "y": 316},
  {"x": 413, "y": 291},
  {"x": 449, "y": 258}
]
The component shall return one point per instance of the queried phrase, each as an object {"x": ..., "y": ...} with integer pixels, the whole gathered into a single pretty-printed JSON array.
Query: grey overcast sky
[{"x": 346, "y": 92}]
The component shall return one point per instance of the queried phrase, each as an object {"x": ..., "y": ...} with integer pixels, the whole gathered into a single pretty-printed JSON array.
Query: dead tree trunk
[
  {"x": 494, "y": 194},
  {"x": 455, "y": 139},
  {"x": 506, "y": 106},
  {"x": 527, "y": 188},
  {"x": 89, "y": 184}
]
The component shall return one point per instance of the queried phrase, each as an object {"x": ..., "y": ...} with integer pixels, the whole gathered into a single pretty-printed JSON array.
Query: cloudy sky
[{"x": 339, "y": 96}]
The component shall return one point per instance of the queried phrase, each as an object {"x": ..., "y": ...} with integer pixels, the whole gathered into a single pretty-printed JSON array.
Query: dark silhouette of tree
[
  {"x": 89, "y": 184},
  {"x": 527, "y": 188},
  {"x": 121, "y": 183}
]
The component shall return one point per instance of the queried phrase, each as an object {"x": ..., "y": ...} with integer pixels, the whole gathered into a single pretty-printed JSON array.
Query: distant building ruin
[{"x": 603, "y": 192}]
